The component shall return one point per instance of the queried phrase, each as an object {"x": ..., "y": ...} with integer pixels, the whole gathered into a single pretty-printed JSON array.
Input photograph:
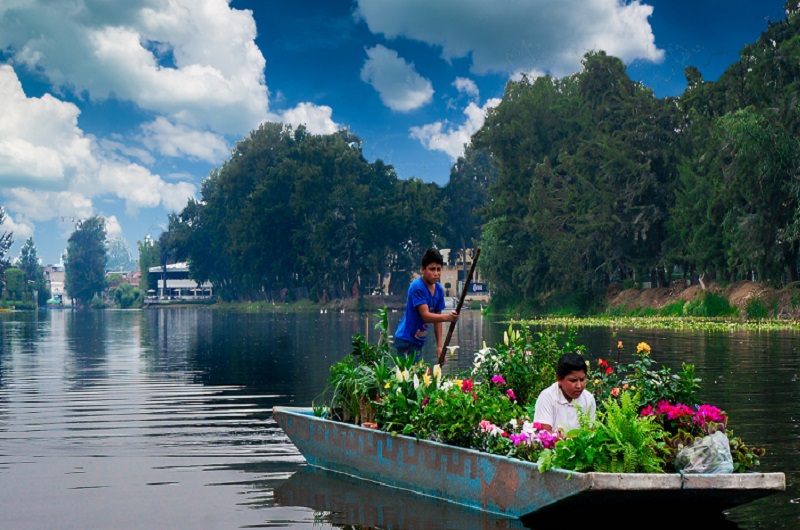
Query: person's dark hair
[
  {"x": 432, "y": 255},
  {"x": 570, "y": 362}
]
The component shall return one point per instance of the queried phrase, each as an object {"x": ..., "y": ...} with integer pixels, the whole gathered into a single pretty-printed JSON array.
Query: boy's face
[
  {"x": 432, "y": 273},
  {"x": 572, "y": 384}
]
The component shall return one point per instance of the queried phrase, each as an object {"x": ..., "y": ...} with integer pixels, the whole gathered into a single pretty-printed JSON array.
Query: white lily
[
  {"x": 398, "y": 374},
  {"x": 416, "y": 382},
  {"x": 437, "y": 373}
]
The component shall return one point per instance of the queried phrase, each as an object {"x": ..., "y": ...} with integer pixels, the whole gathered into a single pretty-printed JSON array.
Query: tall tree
[
  {"x": 34, "y": 272},
  {"x": 6, "y": 240},
  {"x": 85, "y": 265},
  {"x": 148, "y": 257}
]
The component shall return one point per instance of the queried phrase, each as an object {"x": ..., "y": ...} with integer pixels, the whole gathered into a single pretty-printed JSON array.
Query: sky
[{"x": 121, "y": 108}]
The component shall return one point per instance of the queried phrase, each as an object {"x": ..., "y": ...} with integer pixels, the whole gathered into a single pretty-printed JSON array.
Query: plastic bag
[{"x": 709, "y": 454}]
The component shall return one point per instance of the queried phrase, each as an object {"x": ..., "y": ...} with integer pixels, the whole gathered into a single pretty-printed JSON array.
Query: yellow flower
[
  {"x": 597, "y": 381},
  {"x": 619, "y": 344},
  {"x": 426, "y": 378},
  {"x": 387, "y": 385},
  {"x": 437, "y": 372},
  {"x": 643, "y": 347}
]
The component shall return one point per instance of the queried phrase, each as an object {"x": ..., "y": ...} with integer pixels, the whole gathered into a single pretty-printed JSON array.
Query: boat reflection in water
[{"x": 349, "y": 501}]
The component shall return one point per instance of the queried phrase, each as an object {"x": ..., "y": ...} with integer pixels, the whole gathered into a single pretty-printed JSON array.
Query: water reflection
[{"x": 162, "y": 418}]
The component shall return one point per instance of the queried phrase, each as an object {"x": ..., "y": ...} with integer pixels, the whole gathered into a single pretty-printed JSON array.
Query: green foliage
[
  {"x": 148, "y": 257},
  {"x": 651, "y": 385},
  {"x": 330, "y": 218},
  {"x": 86, "y": 261},
  {"x": 709, "y": 305},
  {"x": 675, "y": 309},
  {"x": 357, "y": 380},
  {"x": 127, "y": 296},
  {"x": 6, "y": 240},
  {"x": 618, "y": 441},
  {"x": 16, "y": 287},
  {"x": 526, "y": 361},
  {"x": 756, "y": 309}
]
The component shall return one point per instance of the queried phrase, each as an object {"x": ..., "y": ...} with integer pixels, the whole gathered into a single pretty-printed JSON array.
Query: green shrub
[
  {"x": 756, "y": 309},
  {"x": 710, "y": 305},
  {"x": 675, "y": 309}
]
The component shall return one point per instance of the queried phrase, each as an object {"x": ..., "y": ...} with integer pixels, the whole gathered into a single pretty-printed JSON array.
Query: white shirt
[{"x": 553, "y": 408}]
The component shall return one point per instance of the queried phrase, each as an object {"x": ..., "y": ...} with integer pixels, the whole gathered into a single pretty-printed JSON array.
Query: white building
[{"x": 177, "y": 285}]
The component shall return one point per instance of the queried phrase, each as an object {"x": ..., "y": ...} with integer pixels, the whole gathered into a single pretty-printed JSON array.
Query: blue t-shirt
[{"x": 412, "y": 328}]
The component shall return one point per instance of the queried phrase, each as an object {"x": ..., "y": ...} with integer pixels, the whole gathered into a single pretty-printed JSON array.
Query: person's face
[
  {"x": 432, "y": 273},
  {"x": 572, "y": 384}
]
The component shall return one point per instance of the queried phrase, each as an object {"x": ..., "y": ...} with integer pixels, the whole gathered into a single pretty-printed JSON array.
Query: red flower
[
  {"x": 602, "y": 362},
  {"x": 466, "y": 385},
  {"x": 609, "y": 370}
]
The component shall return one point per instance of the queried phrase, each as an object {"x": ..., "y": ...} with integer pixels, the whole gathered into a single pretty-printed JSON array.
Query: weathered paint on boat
[{"x": 496, "y": 484}]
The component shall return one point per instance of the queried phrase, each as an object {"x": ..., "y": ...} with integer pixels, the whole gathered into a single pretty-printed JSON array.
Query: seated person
[{"x": 555, "y": 406}]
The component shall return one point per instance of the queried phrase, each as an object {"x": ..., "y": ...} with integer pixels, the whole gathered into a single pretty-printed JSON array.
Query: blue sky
[{"x": 120, "y": 108}]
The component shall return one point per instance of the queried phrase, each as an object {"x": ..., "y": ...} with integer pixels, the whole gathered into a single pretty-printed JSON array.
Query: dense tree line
[
  {"x": 571, "y": 184},
  {"x": 598, "y": 180},
  {"x": 293, "y": 215}
]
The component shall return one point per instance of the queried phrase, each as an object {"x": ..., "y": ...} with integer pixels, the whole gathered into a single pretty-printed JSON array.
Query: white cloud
[
  {"x": 316, "y": 118},
  {"x": 113, "y": 228},
  {"x": 50, "y": 168},
  {"x": 400, "y": 87},
  {"x": 195, "y": 61},
  {"x": 21, "y": 229},
  {"x": 40, "y": 141},
  {"x": 519, "y": 35},
  {"x": 439, "y": 136},
  {"x": 176, "y": 140},
  {"x": 467, "y": 86}
]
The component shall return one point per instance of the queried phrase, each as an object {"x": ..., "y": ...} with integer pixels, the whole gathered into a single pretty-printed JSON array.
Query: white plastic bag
[{"x": 709, "y": 454}]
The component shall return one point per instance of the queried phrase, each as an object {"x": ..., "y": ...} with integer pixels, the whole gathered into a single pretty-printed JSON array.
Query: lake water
[{"x": 162, "y": 418}]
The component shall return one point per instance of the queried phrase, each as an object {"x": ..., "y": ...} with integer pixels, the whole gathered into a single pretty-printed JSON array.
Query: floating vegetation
[{"x": 657, "y": 322}]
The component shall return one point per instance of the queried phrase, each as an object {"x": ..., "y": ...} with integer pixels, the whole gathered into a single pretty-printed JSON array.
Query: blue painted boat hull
[{"x": 496, "y": 484}]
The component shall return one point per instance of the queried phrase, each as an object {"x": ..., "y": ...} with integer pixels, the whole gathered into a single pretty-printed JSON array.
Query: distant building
[
  {"x": 177, "y": 285},
  {"x": 454, "y": 274},
  {"x": 55, "y": 276}
]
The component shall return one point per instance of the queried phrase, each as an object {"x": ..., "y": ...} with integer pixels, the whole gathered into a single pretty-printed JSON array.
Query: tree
[
  {"x": 148, "y": 257},
  {"x": 86, "y": 260},
  {"x": 127, "y": 296},
  {"x": 34, "y": 273},
  {"x": 6, "y": 240}
]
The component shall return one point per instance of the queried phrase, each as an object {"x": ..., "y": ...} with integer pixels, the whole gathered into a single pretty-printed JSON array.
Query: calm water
[{"x": 162, "y": 419}]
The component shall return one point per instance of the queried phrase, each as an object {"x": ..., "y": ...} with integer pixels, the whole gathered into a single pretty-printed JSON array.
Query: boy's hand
[{"x": 453, "y": 317}]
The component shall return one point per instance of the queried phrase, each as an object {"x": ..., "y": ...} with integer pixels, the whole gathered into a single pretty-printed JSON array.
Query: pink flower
[
  {"x": 510, "y": 394},
  {"x": 615, "y": 392},
  {"x": 498, "y": 380},
  {"x": 709, "y": 414},
  {"x": 648, "y": 411}
]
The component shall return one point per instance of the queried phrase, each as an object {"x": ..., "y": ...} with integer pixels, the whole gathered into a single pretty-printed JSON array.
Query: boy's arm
[{"x": 434, "y": 318}]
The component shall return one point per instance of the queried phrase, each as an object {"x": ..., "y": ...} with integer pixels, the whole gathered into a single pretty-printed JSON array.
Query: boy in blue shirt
[{"x": 424, "y": 305}]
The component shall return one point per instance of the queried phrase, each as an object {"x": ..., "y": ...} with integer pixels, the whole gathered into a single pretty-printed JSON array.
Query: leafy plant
[{"x": 618, "y": 441}]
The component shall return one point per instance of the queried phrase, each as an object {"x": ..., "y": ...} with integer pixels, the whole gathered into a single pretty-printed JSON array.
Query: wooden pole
[{"x": 458, "y": 307}]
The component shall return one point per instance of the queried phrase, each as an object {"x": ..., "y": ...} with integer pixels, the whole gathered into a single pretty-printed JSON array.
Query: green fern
[{"x": 618, "y": 441}]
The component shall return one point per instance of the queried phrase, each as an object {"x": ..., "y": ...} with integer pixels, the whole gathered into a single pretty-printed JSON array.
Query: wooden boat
[{"x": 505, "y": 486}]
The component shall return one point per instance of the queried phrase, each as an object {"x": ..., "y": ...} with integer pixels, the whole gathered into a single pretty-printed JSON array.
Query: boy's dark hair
[
  {"x": 571, "y": 362},
  {"x": 432, "y": 255}
]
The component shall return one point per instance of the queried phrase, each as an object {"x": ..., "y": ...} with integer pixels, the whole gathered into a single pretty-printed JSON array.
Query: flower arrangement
[{"x": 645, "y": 415}]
